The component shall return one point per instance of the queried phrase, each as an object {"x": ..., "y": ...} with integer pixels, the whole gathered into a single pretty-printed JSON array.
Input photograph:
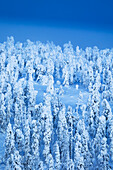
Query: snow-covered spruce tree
[
  {"x": 70, "y": 165},
  {"x": 9, "y": 45},
  {"x": 46, "y": 135},
  {"x": 3, "y": 122},
  {"x": 63, "y": 137},
  {"x": 78, "y": 157},
  {"x": 14, "y": 162},
  {"x": 2, "y": 61},
  {"x": 58, "y": 62},
  {"x": 99, "y": 64},
  {"x": 50, "y": 162},
  {"x": 18, "y": 104},
  {"x": 108, "y": 84},
  {"x": 17, "y": 161},
  {"x": 56, "y": 153},
  {"x": 108, "y": 115},
  {"x": 8, "y": 102},
  {"x": 90, "y": 87},
  {"x": 40, "y": 165},
  {"x": 27, "y": 155},
  {"x": 91, "y": 125},
  {"x": 93, "y": 107},
  {"x": 106, "y": 110},
  {"x": 103, "y": 157},
  {"x": 2, "y": 81},
  {"x": 65, "y": 75},
  {"x": 57, "y": 70},
  {"x": 50, "y": 87},
  {"x": 50, "y": 66},
  {"x": 28, "y": 52},
  {"x": 55, "y": 109},
  {"x": 35, "y": 145},
  {"x": 88, "y": 53},
  {"x": 109, "y": 125},
  {"x": 110, "y": 139},
  {"x": 71, "y": 73},
  {"x": 78, "y": 67},
  {"x": 17, "y": 118},
  {"x": 29, "y": 70},
  {"x": 30, "y": 96},
  {"x": 107, "y": 77},
  {"x": 19, "y": 139},
  {"x": 95, "y": 53},
  {"x": 101, "y": 133},
  {"x": 85, "y": 76},
  {"x": 65, "y": 149},
  {"x": 75, "y": 117},
  {"x": 47, "y": 126},
  {"x": 70, "y": 130},
  {"x": 87, "y": 156},
  {"x": 91, "y": 77},
  {"x": 8, "y": 113},
  {"x": 111, "y": 90},
  {"x": 47, "y": 107},
  {"x": 12, "y": 69},
  {"x": 36, "y": 62},
  {"x": 9, "y": 143},
  {"x": 19, "y": 56},
  {"x": 69, "y": 56},
  {"x": 38, "y": 116},
  {"x": 68, "y": 50}
]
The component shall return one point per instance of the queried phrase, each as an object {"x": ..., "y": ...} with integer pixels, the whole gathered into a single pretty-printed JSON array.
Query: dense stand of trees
[{"x": 49, "y": 135}]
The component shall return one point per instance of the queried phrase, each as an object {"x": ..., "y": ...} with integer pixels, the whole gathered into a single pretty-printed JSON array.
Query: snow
[
  {"x": 71, "y": 95},
  {"x": 76, "y": 86},
  {"x": 53, "y": 96}
]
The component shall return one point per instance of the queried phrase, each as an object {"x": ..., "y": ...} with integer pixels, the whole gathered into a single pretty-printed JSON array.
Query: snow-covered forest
[{"x": 56, "y": 107}]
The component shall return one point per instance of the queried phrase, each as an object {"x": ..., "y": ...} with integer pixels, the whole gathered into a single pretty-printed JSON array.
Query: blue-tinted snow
[{"x": 71, "y": 95}]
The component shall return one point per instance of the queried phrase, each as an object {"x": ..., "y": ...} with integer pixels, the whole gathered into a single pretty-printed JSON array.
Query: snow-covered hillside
[{"x": 55, "y": 107}]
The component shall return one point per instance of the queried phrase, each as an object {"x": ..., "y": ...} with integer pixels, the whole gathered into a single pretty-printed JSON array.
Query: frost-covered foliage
[{"x": 50, "y": 134}]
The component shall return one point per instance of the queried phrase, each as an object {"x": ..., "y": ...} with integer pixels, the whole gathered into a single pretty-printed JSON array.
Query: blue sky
[
  {"x": 86, "y": 15},
  {"x": 96, "y": 12}
]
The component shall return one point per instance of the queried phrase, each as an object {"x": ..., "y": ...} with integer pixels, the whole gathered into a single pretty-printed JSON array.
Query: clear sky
[
  {"x": 97, "y": 12},
  {"x": 96, "y": 15}
]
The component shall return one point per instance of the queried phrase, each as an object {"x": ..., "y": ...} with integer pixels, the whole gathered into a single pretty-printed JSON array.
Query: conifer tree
[
  {"x": 70, "y": 165},
  {"x": 70, "y": 130},
  {"x": 63, "y": 137},
  {"x": 56, "y": 153},
  {"x": 19, "y": 138},
  {"x": 3, "y": 122},
  {"x": 78, "y": 158},
  {"x": 9, "y": 142},
  {"x": 35, "y": 145},
  {"x": 50, "y": 162},
  {"x": 101, "y": 133},
  {"x": 40, "y": 165},
  {"x": 103, "y": 157},
  {"x": 110, "y": 139},
  {"x": 47, "y": 129},
  {"x": 14, "y": 162},
  {"x": 27, "y": 156}
]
